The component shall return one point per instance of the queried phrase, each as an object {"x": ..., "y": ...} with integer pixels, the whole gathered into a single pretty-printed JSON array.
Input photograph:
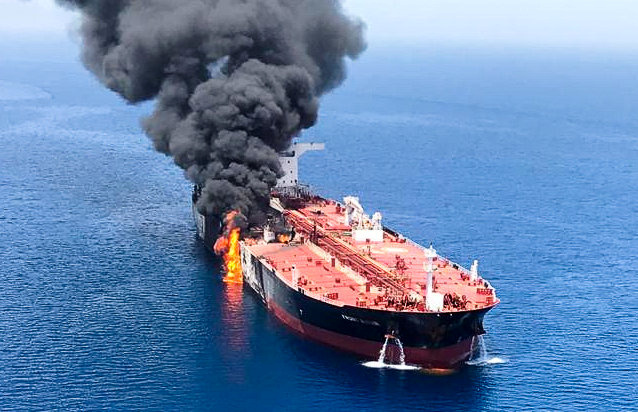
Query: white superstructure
[
  {"x": 290, "y": 162},
  {"x": 364, "y": 229}
]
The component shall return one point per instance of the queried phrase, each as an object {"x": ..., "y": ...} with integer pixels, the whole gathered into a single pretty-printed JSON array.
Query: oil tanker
[{"x": 334, "y": 274}]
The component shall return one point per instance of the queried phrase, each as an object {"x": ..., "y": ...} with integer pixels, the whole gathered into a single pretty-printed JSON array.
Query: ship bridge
[{"x": 290, "y": 162}]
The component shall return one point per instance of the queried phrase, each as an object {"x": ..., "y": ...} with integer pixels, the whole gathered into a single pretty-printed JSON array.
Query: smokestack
[{"x": 233, "y": 81}]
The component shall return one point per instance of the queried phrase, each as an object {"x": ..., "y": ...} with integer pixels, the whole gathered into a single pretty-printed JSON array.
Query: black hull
[
  {"x": 208, "y": 227},
  {"x": 430, "y": 339}
]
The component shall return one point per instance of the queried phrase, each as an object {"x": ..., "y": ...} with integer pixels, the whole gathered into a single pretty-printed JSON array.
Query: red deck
[{"x": 387, "y": 275}]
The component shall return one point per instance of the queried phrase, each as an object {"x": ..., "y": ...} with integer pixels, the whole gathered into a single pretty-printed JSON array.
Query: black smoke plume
[{"x": 234, "y": 81}]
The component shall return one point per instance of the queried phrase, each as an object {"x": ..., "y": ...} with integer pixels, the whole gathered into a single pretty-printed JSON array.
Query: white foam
[
  {"x": 484, "y": 358},
  {"x": 374, "y": 364},
  {"x": 496, "y": 360},
  {"x": 382, "y": 365}
]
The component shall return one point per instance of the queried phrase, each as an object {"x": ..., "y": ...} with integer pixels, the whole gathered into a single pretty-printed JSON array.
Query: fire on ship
[{"x": 332, "y": 273}]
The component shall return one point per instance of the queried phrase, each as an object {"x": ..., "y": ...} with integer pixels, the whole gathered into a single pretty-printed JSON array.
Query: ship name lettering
[{"x": 365, "y": 322}]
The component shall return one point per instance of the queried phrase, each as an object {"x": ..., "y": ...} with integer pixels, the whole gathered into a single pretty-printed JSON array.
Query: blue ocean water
[{"x": 524, "y": 159}]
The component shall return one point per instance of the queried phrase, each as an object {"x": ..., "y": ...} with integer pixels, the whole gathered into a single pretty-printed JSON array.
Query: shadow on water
[
  {"x": 467, "y": 388},
  {"x": 233, "y": 332},
  {"x": 301, "y": 363},
  {"x": 463, "y": 389},
  {"x": 247, "y": 348},
  {"x": 199, "y": 252},
  {"x": 109, "y": 300}
]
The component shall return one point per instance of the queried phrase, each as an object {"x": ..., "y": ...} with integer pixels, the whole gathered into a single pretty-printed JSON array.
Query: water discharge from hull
[
  {"x": 380, "y": 362},
  {"x": 401, "y": 352},
  {"x": 482, "y": 357},
  {"x": 383, "y": 350}
]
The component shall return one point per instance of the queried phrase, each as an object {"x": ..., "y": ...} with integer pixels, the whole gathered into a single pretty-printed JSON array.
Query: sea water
[{"x": 525, "y": 159}]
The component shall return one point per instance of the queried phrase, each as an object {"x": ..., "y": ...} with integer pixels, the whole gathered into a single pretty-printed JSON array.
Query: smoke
[{"x": 234, "y": 81}]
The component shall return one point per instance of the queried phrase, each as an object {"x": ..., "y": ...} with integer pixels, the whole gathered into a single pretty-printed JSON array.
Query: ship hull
[
  {"x": 208, "y": 227},
  {"x": 432, "y": 340},
  {"x": 449, "y": 357}
]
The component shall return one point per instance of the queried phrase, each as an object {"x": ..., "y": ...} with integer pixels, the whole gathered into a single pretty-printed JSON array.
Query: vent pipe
[
  {"x": 474, "y": 271},
  {"x": 430, "y": 254}
]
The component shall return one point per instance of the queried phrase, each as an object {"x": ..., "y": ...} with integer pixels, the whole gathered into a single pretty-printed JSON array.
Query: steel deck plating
[{"x": 386, "y": 275}]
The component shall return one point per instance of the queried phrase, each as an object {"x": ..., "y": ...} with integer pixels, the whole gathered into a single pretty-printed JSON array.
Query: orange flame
[
  {"x": 283, "y": 237},
  {"x": 228, "y": 245},
  {"x": 232, "y": 258}
]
